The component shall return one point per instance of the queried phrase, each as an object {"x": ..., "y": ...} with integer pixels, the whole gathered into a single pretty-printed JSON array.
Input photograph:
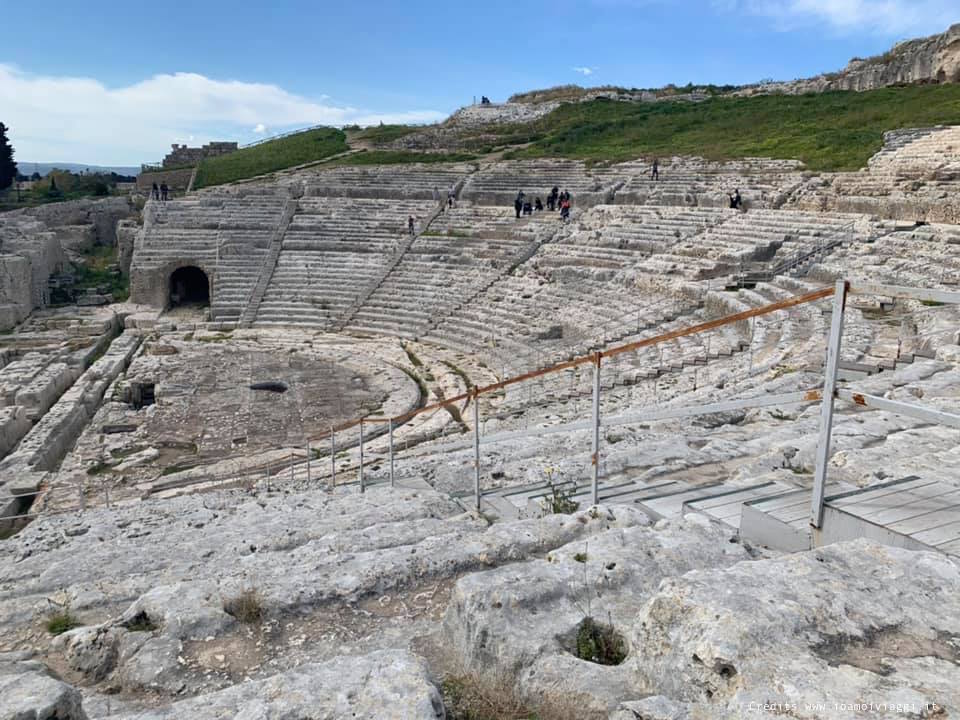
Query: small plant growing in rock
[
  {"x": 61, "y": 618},
  {"x": 140, "y": 623},
  {"x": 560, "y": 500},
  {"x": 246, "y": 606},
  {"x": 600, "y": 643},
  {"x": 580, "y": 557}
]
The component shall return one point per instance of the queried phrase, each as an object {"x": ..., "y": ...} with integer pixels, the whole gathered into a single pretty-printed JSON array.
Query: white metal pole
[
  {"x": 333, "y": 457},
  {"x": 826, "y": 405},
  {"x": 596, "y": 429},
  {"x": 476, "y": 447},
  {"x": 391, "y": 452},
  {"x": 361, "y": 456}
]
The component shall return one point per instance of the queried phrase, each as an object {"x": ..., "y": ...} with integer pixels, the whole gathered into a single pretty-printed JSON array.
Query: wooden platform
[
  {"x": 913, "y": 512},
  {"x": 727, "y": 505},
  {"x": 782, "y": 521}
]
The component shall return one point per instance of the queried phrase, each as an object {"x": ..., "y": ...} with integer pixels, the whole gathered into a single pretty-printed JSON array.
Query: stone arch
[{"x": 188, "y": 285}]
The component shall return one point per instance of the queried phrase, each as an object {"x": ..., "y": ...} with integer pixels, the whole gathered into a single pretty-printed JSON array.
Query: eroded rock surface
[
  {"x": 522, "y": 619},
  {"x": 29, "y": 692},
  {"x": 383, "y": 684},
  {"x": 807, "y": 635}
]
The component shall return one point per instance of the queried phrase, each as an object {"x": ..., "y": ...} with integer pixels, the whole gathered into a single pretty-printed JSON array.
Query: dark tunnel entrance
[{"x": 189, "y": 286}]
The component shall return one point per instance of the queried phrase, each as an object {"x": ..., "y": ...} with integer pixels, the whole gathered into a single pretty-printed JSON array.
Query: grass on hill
[
  {"x": 297, "y": 149},
  {"x": 396, "y": 157},
  {"x": 828, "y": 131},
  {"x": 382, "y": 134}
]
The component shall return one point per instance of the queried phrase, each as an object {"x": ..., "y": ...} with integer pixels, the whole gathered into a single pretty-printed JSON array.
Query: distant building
[{"x": 183, "y": 155}]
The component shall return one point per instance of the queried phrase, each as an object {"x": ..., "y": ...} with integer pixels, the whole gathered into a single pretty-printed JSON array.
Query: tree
[{"x": 8, "y": 168}]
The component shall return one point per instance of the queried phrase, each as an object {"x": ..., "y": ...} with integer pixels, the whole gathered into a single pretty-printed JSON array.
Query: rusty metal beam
[{"x": 593, "y": 358}]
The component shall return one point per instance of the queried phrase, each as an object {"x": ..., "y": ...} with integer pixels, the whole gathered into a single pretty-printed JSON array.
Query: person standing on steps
[
  {"x": 164, "y": 190},
  {"x": 565, "y": 208},
  {"x": 655, "y": 172},
  {"x": 410, "y": 224},
  {"x": 736, "y": 202},
  {"x": 518, "y": 203},
  {"x": 538, "y": 205},
  {"x": 155, "y": 192},
  {"x": 451, "y": 196}
]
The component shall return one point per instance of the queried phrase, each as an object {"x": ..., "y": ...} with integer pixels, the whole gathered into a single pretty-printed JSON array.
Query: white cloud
[
  {"x": 585, "y": 71},
  {"x": 897, "y": 18},
  {"x": 260, "y": 129},
  {"x": 75, "y": 119}
]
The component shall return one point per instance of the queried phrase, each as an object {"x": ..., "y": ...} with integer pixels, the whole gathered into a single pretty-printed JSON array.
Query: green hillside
[
  {"x": 829, "y": 131},
  {"x": 297, "y": 149}
]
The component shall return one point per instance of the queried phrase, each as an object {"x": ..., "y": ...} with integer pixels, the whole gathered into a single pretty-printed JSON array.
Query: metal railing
[
  {"x": 831, "y": 393},
  {"x": 339, "y": 439},
  {"x": 594, "y": 360}
]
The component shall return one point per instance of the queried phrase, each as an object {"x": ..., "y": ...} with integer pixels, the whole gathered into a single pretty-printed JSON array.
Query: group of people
[
  {"x": 556, "y": 200},
  {"x": 451, "y": 197},
  {"x": 160, "y": 192}
]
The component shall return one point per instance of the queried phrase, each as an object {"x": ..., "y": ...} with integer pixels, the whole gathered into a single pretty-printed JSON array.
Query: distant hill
[{"x": 28, "y": 168}]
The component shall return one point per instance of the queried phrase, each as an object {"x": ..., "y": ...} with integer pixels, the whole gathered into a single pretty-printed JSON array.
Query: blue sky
[{"x": 117, "y": 83}]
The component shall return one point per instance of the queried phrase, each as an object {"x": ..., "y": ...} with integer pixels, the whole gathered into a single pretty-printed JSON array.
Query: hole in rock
[
  {"x": 270, "y": 386},
  {"x": 598, "y": 642}
]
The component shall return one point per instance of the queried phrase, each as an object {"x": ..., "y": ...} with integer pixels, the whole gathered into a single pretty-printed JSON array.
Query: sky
[{"x": 111, "y": 83}]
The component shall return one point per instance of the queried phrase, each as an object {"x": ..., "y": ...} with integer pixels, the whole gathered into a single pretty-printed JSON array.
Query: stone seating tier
[
  {"x": 425, "y": 182},
  {"x": 499, "y": 184}
]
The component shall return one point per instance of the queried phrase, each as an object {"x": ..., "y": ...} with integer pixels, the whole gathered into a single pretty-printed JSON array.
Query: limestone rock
[
  {"x": 655, "y": 707},
  {"x": 388, "y": 683},
  {"x": 28, "y": 692},
  {"x": 807, "y": 634},
  {"x": 931, "y": 59},
  {"x": 523, "y": 619}
]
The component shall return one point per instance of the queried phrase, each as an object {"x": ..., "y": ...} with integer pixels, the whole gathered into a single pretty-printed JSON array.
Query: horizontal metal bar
[
  {"x": 719, "y": 322},
  {"x": 4, "y": 518},
  {"x": 794, "y": 398},
  {"x": 898, "y": 291},
  {"x": 593, "y": 357},
  {"x": 919, "y": 412},
  {"x": 536, "y": 432}
]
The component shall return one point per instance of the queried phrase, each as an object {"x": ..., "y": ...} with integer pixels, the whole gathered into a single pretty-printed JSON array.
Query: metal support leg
[
  {"x": 333, "y": 458},
  {"x": 476, "y": 447},
  {"x": 596, "y": 430},
  {"x": 391, "y": 452},
  {"x": 826, "y": 406},
  {"x": 308, "y": 462},
  {"x": 362, "y": 488}
]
